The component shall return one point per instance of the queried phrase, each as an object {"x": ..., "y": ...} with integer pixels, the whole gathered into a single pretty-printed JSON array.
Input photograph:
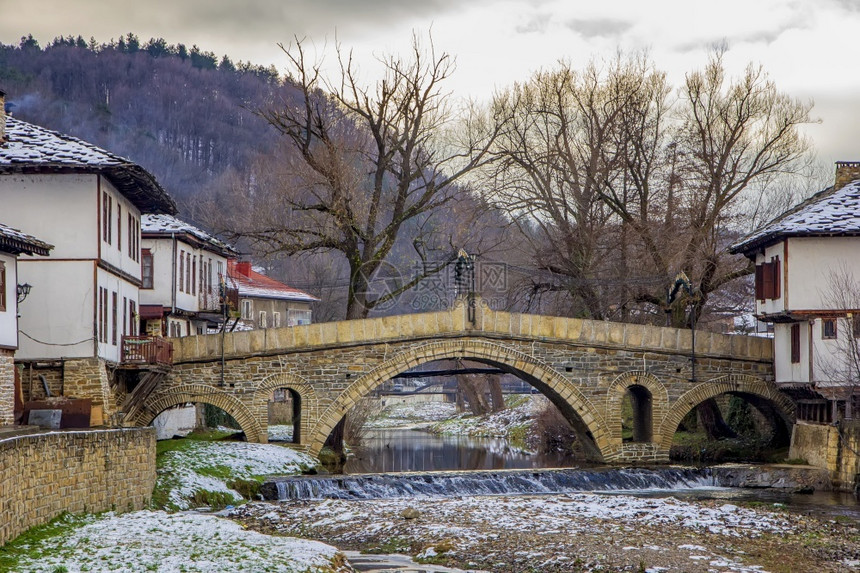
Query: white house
[
  {"x": 265, "y": 302},
  {"x": 807, "y": 283},
  {"x": 182, "y": 270},
  {"x": 87, "y": 202},
  {"x": 13, "y": 243}
]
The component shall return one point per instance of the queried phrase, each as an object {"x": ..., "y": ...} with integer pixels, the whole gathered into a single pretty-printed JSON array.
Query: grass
[
  {"x": 30, "y": 543},
  {"x": 246, "y": 486}
]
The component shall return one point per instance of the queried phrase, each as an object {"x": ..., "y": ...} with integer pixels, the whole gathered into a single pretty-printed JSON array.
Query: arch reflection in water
[{"x": 410, "y": 450}]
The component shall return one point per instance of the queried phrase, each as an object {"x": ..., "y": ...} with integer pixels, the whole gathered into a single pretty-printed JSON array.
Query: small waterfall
[{"x": 453, "y": 484}]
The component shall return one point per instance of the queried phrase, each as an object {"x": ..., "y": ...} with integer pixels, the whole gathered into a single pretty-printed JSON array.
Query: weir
[{"x": 505, "y": 482}]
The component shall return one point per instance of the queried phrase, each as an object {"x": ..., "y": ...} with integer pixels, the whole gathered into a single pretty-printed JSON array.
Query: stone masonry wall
[
  {"x": 31, "y": 383},
  {"x": 43, "y": 475},
  {"x": 836, "y": 449},
  {"x": 7, "y": 387},
  {"x": 88, "y": 378}
]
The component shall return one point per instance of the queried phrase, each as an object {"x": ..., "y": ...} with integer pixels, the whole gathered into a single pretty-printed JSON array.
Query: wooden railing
[{"x": 146, "y": 350}]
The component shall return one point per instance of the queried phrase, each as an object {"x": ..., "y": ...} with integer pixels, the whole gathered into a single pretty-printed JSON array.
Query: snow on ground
[
  {"x": 411, "y": 415},
  {"x": 281, "y": 433},
  {"x": 498, "y": 425},
  {"x": 202, "y": 465},
  {"x": 514, "y": 533},
  {"x": 168, "y": 543}
]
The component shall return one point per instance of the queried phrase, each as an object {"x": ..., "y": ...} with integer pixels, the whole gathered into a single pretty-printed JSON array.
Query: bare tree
[
  {"x": 839, "y": 360},
  {"x": 627, "y": 186},
  {"x": 360, "y": 163}
]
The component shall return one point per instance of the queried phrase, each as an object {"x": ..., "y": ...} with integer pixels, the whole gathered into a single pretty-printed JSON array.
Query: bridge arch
[
  {"x": 758, "y": 390},
  {"x": 575, "y": 406},
  {"x": 201, "y": 393},
  {"x": 647, "y": 416},
  {"x": 308, "y": 402}
]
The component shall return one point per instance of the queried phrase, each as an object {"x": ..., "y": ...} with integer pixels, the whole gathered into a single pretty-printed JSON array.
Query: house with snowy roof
[
  {"x": 182, "y": 270},
  {"x": 265, "y": 302},
  {"x": 13, "y": 243},
  {"x": 807, "y": 283},
  {"x": 88, "y": 203}
]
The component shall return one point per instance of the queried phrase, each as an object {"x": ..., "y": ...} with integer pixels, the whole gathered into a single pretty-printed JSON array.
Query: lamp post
[{"x": 22, "y": 291}]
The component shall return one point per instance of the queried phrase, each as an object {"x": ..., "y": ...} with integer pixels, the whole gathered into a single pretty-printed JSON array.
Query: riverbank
[{"x": 571, "y": 533}]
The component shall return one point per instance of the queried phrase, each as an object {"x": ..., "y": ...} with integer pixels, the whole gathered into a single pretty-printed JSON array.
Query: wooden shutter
[{"x": 795, "y": 343}]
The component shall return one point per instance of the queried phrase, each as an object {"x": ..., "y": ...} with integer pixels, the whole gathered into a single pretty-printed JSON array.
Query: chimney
[
  {"x": 846, "y": 172},
  {"x": 2, "y": 117},
  {"x": 244, "y": 268}
]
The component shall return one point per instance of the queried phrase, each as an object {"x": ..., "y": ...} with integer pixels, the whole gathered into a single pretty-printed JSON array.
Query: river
[
  {"x": 400, "y": 450},
  {"x": 403, "y": 450}
]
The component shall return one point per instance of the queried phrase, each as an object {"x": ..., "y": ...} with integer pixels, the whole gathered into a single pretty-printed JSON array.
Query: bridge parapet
[{"x": 454, "y": 322}]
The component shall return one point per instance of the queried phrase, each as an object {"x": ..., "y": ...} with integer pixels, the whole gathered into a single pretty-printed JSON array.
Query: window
[
  {"x": 795, "y": 343},
  {"x": 188, "y": 272},
  {"x": 298, "y": 317},
  {"x": 132, "y": 318},
  {"x": 276, "y": 319},
  {"x": 132, "y": 236},
  {"x": 119, "y": 227},
  {"x": 181, "y": 271},
  {"x": 828, "y": 328},
  {"x": 855, "y": 326},
  {"x": 246, "y": 309},
  {"x": 767, "y": 280},
  {"x": 262, "y": 323},
  {"x": 115, "y": 322},
  {"x": 105, "y": 218},
  {"x": 146, "y": 269},
  {"x": 194, "y": 275},
  {"x": 2, "y": 286},
  {"x": 103, "y": 314},
  {"x": 125, "y": 316}
]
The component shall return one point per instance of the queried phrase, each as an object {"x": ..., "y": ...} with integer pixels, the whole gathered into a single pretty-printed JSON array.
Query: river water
[
  {"x": 401, "y": 450},
  {"x": 414, "y": 451},
  {"x": 406, "y": 463}
]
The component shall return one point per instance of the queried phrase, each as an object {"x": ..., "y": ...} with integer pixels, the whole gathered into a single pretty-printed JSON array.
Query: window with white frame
[
  {"x": 276, "y": 320},
  {"x": 246, "y": 309},
  {"x": 828, "y": 328},
  {"x": 298, "y": 317},
  {"x": 262, "y": 322}
]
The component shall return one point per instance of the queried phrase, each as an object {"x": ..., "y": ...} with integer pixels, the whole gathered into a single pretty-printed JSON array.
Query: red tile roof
[{"x": 252, "y": 284}]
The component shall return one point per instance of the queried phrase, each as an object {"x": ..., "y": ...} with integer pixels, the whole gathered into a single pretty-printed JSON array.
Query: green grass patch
[
  {"x": 32, "y": 543},
  {"x": 389, "y": 546}
]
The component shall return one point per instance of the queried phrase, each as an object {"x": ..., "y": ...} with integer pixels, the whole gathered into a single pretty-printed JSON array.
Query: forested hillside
[{"x": 184, "y": 114}]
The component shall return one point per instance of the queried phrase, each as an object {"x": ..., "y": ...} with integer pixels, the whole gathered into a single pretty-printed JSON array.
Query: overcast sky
[{"x": 809, "y": 47}]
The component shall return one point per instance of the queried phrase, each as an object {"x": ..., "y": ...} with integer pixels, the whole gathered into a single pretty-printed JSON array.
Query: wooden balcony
[{"x": 146, "y": 351}]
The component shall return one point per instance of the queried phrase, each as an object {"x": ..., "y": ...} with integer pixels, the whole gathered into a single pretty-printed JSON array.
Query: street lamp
[{"x": 22, "y": 291}]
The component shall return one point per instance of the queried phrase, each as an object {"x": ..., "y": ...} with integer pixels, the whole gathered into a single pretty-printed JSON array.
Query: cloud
[
  {"x": 536, "y": 25},
  {"x": 599, "y": 27}
]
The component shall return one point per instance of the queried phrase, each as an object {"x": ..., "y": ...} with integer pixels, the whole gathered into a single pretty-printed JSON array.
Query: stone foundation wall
[
  {"x": 31, "y": 383},
  {"x": 836, "y": 449},
  {"x": 88, "y": 378},
  {"x": 43, "y": 475},
  {"x": 7, "y": 387}
]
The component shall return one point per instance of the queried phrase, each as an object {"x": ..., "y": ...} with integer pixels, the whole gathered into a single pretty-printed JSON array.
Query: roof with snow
[
  {"x": 167, "y": 225},
  {"x": 827, "y": 213},
  {"x": 32, "y": 149},
  {"x": 252, "y": 284},
  {"x": 16, "y": 242}
]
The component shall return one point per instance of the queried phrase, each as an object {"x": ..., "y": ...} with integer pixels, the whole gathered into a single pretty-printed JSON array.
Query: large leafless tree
[
  {"x": 362, "y": 162},
  {"x": 630, "y": 182}
]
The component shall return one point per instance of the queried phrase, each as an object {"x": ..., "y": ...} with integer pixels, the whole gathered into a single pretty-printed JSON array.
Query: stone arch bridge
[{"x": 584, "y": 367}]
